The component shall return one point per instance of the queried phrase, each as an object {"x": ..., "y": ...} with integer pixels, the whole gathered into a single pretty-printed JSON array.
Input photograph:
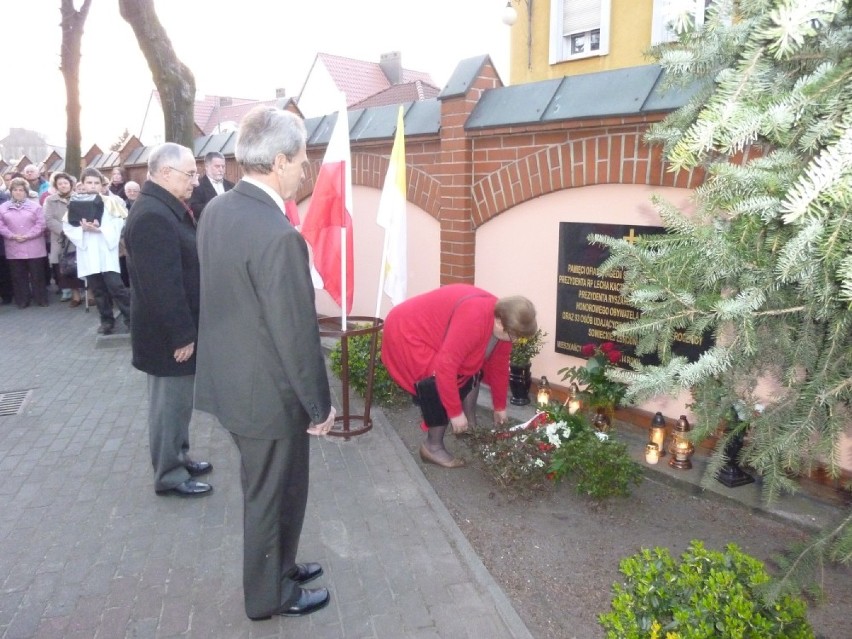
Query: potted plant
[
  {"x": 523, "y": 350},
  {"x": 602, "y": 395}
]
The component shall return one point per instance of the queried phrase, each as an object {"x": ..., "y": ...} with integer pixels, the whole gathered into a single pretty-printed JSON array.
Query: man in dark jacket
[
  {"x": 211, "y": 184},
  {"x": 164, "y": 276}
]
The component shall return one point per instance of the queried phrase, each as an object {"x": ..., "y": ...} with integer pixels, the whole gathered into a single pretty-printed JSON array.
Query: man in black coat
[
  {"x": 261, "y": 370},
  {"x": 164, "y": 276},
  {"x": 211, "y": 184}
]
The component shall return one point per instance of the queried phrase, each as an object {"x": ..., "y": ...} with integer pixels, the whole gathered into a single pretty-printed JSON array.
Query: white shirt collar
[{"x": 266, "y": 189}]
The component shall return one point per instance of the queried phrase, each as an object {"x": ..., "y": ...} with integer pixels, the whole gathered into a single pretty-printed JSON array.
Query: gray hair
[
  {"x": 213, "y": 155},
  {"x": 264, "y": 133},
  {"x": 164, "y": 155}
]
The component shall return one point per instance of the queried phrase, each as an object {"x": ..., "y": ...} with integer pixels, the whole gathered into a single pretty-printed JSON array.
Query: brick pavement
[{"x": 87, "y": 550}]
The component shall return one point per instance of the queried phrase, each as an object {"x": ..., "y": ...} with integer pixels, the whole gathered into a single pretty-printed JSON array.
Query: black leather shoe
[
  {"x": 306, "y": 573},
  {"x": 310, "y": 600},
  {"x": 198, "y": 468},
  {"x": 189, "y": 488}
]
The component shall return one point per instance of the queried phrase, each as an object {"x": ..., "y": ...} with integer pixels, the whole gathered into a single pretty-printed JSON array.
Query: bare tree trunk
[
  {"x": 173, "y": 79},
  {"x": 72, "y": 38}
]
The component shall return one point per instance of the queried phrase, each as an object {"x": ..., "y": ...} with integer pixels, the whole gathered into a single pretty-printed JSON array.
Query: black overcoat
[{"x": 164, "y": 281}]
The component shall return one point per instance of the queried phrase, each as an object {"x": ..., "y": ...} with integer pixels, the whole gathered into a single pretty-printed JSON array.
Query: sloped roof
[
  {"x": 416, "y": 91},
  {"x": 360, "y": 79},
  {"x": 620, "y": 92}
]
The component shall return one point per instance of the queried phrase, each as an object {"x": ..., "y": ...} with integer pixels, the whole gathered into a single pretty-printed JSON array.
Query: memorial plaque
[{"x": 590, "y": 307}]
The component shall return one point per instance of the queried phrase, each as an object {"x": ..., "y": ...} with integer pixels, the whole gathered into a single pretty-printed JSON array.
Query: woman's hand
[
  {"x": 459, "y": 423},
  {"x": 500, "y": 417}
]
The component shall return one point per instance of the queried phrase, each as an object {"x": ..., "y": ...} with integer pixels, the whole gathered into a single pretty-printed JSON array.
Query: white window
[
  {"x": 668, "y": 14},
  {"x": 579, "y": 29}
]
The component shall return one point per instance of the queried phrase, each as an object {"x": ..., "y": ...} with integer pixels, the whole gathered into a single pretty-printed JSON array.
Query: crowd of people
[{"x": 41, "y": 253}]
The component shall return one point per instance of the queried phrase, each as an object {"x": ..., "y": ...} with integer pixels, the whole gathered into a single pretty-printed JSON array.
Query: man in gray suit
[{"x": 260, "y": 368}]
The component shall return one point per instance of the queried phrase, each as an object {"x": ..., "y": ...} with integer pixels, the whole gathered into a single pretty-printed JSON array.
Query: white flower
[
  {"x": 539, "y": 463},
  {"x": 602, "y": 436}
]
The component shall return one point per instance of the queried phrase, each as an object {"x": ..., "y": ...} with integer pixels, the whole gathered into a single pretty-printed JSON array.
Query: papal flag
[{"x": 391, "y": 217}]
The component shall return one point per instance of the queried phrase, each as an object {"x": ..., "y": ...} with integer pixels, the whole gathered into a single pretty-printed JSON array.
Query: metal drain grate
[{"x": 12, "y": 402}]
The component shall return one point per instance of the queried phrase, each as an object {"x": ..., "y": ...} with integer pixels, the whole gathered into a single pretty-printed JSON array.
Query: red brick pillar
[{"x": 455, "y": 173}]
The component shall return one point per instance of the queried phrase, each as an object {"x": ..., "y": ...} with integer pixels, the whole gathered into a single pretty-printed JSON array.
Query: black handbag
[{"x": 68, "y": 258}]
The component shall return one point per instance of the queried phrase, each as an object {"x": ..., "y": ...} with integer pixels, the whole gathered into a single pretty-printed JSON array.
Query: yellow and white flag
[{"x": 391, "y": 217}]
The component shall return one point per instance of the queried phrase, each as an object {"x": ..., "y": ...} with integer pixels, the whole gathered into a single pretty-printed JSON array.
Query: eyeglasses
[{"x": 191, "y": 174}]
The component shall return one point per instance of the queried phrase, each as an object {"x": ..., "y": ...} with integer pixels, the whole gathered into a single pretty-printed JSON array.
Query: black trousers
[
  {"x": 5, "y": 280},
  {"x": 274, "y": 474},
  {"x": 107, "y": 288},
  {"x": 28, "y": 281}
]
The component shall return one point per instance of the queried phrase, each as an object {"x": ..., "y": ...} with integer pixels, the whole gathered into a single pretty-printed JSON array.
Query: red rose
[
  {"x": 588, "y": 350},
  {"x": 614, "y": 356},
  {"x": 606, "y": 347},
  {"x": 551, "y": 476},
  {"x": 544, "y": 447}
]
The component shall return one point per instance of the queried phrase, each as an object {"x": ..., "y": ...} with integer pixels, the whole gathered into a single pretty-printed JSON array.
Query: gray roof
[
  {"x": 622, "y": 92},
  {"x": 631, "y": 91}
]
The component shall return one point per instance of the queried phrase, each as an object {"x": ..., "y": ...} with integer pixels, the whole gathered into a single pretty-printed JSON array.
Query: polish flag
[{"x": 328, "y": 223}]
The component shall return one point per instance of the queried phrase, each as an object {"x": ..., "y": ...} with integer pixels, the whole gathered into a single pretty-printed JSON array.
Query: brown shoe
[
  {"x": 74, "y": 303},
  {"x": 429, "y": 458}
]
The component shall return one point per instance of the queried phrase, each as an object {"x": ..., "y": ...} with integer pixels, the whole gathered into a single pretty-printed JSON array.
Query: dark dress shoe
[
  {"x": 189, "y": 488},
  {"x": 198, "y": 468},
  {"x": 306, "y": 572},
  {"x": 310, "y": 600}
]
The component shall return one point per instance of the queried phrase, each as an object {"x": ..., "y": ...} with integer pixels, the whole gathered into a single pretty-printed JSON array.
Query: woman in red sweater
[{"x": 436, "y": 344}]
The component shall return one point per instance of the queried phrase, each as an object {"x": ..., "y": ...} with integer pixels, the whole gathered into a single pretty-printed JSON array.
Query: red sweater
[{"x": 417, "y": 343}]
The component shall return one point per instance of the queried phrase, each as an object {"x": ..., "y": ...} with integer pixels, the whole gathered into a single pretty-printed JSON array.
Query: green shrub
[
  {"x": 707, "y": 595},
  {"x": 600, "y": 468},
  {"x": 386, "y": 392}
]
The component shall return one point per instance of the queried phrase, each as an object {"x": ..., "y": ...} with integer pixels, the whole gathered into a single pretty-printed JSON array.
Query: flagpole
[{"x": 382, "y": 275}]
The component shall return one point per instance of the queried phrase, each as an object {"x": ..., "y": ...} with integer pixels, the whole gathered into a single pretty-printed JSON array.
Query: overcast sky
[{"x": 241, "y": 48}]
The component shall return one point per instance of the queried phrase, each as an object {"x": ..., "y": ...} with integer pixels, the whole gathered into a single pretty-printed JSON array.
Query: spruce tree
[{"x": 764, "y": 261}]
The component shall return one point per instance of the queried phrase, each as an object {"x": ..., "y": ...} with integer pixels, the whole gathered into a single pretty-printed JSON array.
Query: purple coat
[{"x": 22, "y": 218}]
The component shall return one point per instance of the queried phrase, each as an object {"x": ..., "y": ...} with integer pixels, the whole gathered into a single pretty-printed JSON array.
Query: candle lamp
[
  {"x": 652, "y": 453},
  {"x": 544, "y": 393},
  {"x": 601, "y": 422},
  {"x": 681, "y": 448},
  {"x": 657, "y": 434},
  {"x": 573, "y": 402}
]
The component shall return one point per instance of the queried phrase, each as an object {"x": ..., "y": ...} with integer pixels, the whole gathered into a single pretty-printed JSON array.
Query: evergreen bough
[{"x": 764, "y": 263}]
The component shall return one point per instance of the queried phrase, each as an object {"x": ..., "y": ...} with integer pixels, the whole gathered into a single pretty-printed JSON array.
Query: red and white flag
[{"x": 328, "y": 223}]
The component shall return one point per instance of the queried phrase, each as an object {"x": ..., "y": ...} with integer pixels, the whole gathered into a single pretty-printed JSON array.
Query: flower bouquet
[
  {"x": 553, "y": 445},
  {"x": 602, "y": 392},
  {"x": 525, "y": 348}
]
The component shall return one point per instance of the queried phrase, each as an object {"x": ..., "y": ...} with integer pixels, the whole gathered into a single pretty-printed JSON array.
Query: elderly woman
[
  {"x": 22, "y": 227},
  {"x": 55, "y": 208},
  {"x": 437, "y": 346}
]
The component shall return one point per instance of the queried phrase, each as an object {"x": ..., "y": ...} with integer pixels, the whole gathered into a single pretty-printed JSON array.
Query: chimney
[
  {"x": 281, "y": 92},
  {"x": 391, "y": 64}
]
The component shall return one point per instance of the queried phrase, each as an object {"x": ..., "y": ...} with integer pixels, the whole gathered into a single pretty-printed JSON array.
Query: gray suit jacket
[{"x": 260, "y": 369}]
